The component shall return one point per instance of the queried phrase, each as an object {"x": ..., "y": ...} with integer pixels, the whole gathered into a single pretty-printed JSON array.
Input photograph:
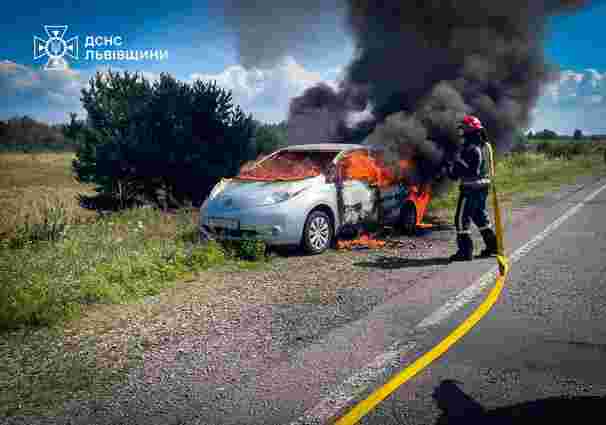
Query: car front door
[{"x": 358, "y": 198}]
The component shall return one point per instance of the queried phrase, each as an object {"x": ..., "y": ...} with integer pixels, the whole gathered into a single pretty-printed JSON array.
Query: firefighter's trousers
[{"x": 472, "y": 207}]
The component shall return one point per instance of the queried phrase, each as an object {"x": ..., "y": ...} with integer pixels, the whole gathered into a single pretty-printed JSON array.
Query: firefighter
[{"x": 474, "y": 168}]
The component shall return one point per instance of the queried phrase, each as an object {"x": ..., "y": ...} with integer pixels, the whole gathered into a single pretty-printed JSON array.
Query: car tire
[
  {"x": 408, "y": 219},
  {"x": 318, "y": 233}
]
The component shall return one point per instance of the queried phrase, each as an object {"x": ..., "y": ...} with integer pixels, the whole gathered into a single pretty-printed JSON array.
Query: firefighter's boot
[
  {"x": 465, "y": 248},
  {"x": 490, "y": 240}
]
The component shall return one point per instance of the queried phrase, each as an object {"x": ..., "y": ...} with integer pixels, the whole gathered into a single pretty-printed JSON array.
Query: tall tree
[{"x": 167, "y": 142}]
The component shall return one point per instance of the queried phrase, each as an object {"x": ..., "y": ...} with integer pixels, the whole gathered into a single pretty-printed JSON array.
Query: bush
[
  {"x": 250, "y": 250},
  {"x": 563, "y": 150},
  {"x": 166, "y": 142}
]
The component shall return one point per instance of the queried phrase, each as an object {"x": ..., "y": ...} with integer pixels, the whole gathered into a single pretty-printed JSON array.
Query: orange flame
[
  {"x": 359, "y": 166},
  {"x": 365, "y": 241},
  {"x": 286, "y": 166},
  {"x": 421, "y": 195}
]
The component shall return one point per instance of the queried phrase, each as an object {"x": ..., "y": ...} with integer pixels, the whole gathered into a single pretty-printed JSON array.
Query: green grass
[
  {"x": 113, "y": 260},
  {"x": 56, "y": 257}
]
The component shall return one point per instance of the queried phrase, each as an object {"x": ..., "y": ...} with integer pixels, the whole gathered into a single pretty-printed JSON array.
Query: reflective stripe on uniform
[
  {"x": 480, "y": 160},
  {"x": 477, "y": 181},
  {"x": 490, "y": 160},
  {"x": 460, "y": 216},
  {"x": 481, "y": 229},
  {"x": 464, "y": 232}
]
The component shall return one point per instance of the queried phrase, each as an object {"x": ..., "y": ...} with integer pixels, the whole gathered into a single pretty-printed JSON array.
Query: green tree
[
  {"x": 519, "y": 142},
  {"x": 167, "y": 142},
  {"x": 269, "y": 137},
  {"x": 578, "y": 134},
  {"x": 546, "y": 134},
  {"x": 73, "y": 130}
]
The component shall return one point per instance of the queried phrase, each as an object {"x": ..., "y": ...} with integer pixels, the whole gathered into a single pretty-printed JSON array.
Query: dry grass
[{"x": 31, "y": 183}]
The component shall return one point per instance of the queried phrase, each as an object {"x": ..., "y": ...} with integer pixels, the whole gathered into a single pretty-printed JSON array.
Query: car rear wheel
[
  {"x": 318, "y": 233},
  {"x": 408, "y": 219}
]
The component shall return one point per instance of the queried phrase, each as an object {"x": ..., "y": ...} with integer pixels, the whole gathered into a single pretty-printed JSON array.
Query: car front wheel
[{"x": 318, "y": 233}]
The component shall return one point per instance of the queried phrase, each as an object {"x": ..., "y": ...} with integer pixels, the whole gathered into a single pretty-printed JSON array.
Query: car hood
[{"x": 238, "y": 194}]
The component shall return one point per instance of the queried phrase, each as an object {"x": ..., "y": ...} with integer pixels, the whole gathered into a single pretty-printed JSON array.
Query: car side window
[{"x": 356, "y": 166}]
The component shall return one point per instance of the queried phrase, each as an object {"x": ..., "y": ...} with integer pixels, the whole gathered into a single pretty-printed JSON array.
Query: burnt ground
[{"x": 266, "y": 346}]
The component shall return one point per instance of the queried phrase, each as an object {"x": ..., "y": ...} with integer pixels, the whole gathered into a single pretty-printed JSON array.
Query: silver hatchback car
[{"x": 310, "y": 207}]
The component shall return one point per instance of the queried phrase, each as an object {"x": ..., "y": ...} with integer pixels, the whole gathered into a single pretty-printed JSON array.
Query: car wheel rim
[{"x": 319, "y": 233}]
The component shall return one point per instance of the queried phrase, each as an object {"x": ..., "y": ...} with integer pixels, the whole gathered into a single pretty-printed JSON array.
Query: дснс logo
[{"x": 56, "y": 47}]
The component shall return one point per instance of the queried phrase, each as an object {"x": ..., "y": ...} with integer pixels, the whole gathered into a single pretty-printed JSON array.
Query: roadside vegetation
[
  {"x": 51, "y": 266},
  {"x": 59, "y": 261}
]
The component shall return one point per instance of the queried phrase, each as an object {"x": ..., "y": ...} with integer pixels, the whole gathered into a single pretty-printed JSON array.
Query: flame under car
[{"x": 308, "y": 194}]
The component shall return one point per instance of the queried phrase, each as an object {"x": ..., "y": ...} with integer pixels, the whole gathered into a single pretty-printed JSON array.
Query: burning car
[{"x": 308, "y": 194}]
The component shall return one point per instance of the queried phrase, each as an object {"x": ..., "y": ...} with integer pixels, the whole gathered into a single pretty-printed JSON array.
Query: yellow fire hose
[{"x": 366, "y": 405}]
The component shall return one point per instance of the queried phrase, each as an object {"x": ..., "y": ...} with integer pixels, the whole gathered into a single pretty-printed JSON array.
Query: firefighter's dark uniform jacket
[{"x": 474, "y": 169}]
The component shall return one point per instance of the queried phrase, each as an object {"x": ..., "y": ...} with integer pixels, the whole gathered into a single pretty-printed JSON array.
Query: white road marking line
[
  {"x": 347, "y": 391},
  {"x": 488, "y": 278}
]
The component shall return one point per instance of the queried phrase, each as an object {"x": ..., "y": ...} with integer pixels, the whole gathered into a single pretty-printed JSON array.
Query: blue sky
[{"x": 200, "y": 44}]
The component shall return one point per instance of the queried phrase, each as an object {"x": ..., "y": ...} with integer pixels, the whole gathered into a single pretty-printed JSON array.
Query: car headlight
[
  {"x": 277, "y": 197},
  {"x": 219, "y": 187}
]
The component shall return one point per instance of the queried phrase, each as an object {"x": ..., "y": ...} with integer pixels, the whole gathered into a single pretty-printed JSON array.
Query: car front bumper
[{"x": 277, "y": 224}]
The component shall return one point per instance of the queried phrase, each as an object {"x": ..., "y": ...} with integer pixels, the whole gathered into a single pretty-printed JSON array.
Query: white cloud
[
  {"x": 51, "y": 95},
  {"x": 265, "y": 92},
  {"x": 46, "y": 95},
  {"x": 576, "y": 100}
]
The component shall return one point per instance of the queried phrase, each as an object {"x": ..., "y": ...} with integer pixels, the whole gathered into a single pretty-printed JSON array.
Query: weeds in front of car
[
  {"x": 49, "y": 270},
  {"x": 251, "y": 250}
]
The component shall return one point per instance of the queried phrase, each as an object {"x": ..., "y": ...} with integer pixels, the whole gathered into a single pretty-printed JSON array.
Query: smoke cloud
[
  {"x": 422, "y": 65},
  {"x": 269, "y": 30}
]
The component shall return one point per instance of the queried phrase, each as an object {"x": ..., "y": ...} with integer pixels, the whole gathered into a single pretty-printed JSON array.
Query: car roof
[{"x": 325, "y": 147}]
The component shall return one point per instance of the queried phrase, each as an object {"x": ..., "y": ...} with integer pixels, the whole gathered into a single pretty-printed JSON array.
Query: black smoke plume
[
  {"x": 321, "y": 113},
  {"x": 423, "y": 64}
]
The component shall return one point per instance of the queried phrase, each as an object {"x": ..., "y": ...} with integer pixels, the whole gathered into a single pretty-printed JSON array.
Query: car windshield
[{"x": 289, "y": 165}]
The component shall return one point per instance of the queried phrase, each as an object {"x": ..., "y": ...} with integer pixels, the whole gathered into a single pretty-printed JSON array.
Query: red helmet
[{"x": 470, "y": 124}]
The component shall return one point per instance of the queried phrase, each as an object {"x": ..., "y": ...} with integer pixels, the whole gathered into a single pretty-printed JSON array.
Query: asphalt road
[
  {"x": 539, "y": 355},
  {"x": 546, "y": 337}
]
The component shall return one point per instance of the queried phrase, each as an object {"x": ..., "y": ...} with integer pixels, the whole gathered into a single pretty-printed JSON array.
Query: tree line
[
  {"x": 552, "y": 135},
  {"x": 24, "y": 134}
]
